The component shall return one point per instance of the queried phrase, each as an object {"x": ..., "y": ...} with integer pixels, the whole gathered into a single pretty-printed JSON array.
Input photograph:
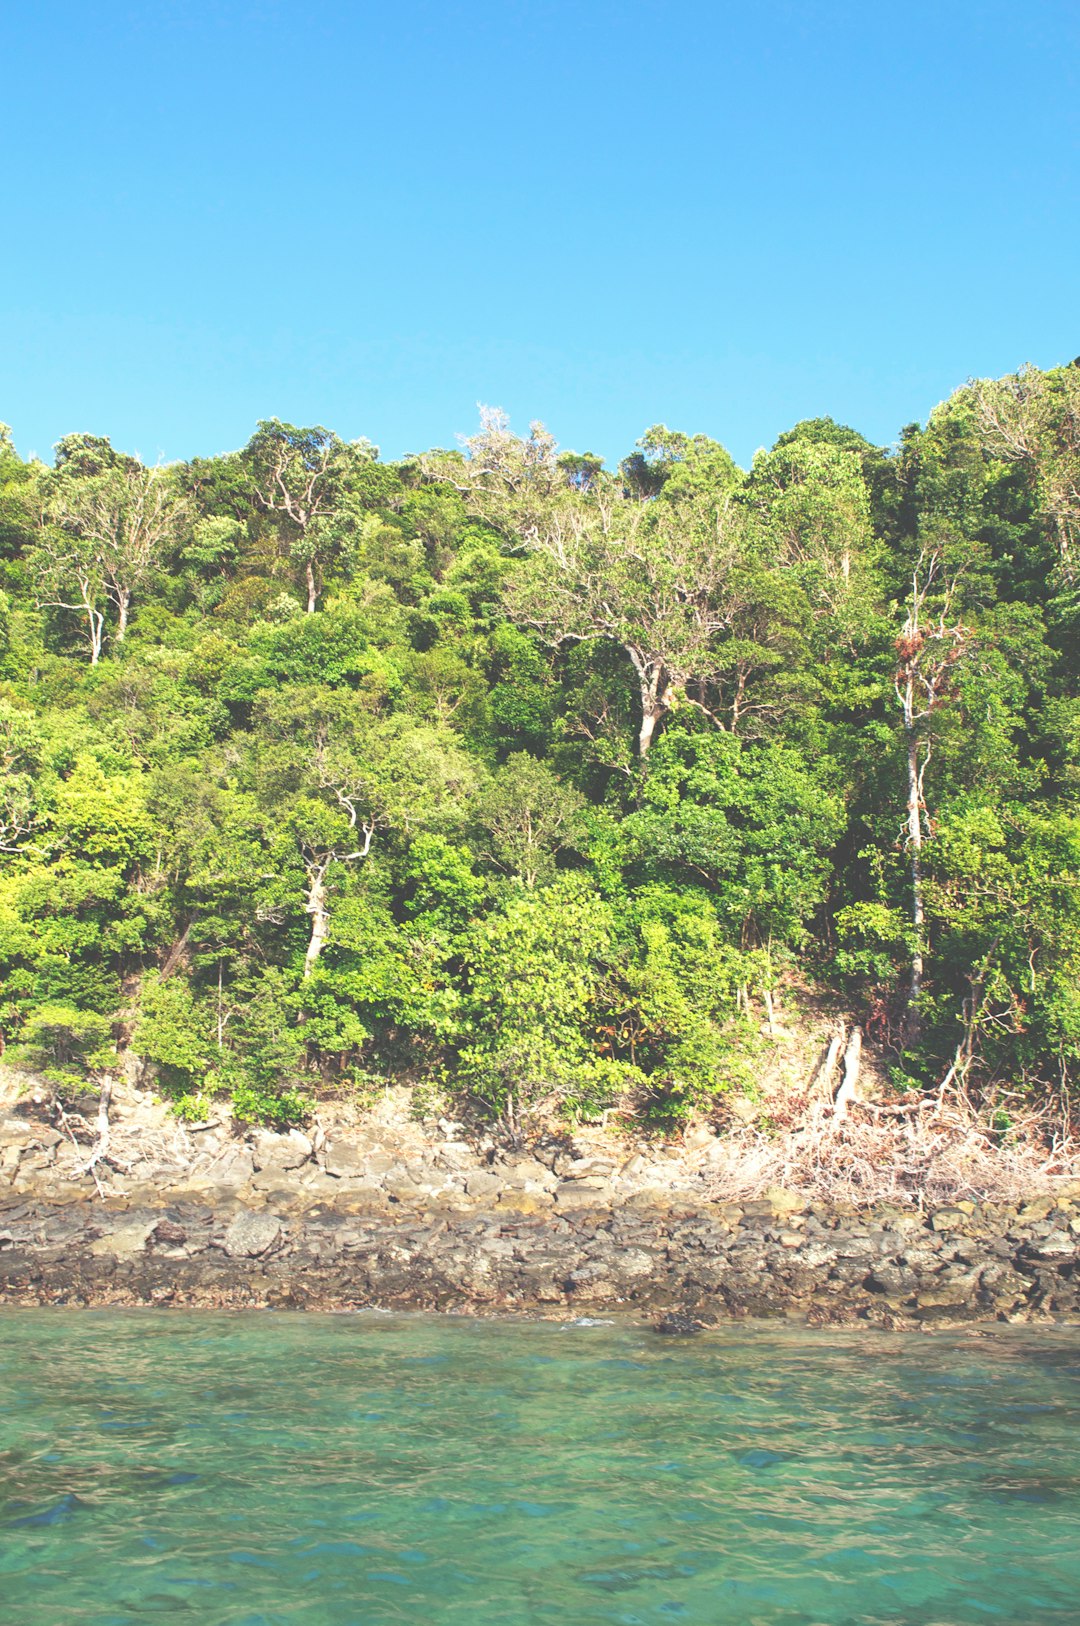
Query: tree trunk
[
  {"x": 650, "y": 716},
  {"x": 96, "y": 622},
  {"x": 176, "y": 953},
  {"x": 312, "y": 589},
  {"x": 654, "y": 705},
  {"x": 823, "y": 1078},
  {"x": 318, "y": 909},
  {"x": 852, "y": 1067},
  {"x": 915, "y": 841},
  {"x": 737, "y": 698},
  {"x": 123, "y": 604}
]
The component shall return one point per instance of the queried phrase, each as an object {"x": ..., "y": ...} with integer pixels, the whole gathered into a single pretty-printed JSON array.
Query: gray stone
[
  {"x": 344, "y": 1160},
  {"x": 251, "y": 1235},
  {"x": 584, "y": 1168},
  {"x": 634, "y": 1262},
  {"x": 126, "y": 1241},
  {"x": 588, "y": 1194},
  {"x": 289, "y": 1151},
  {"x": 17, "y": 1132},
  {"x": 784, "y": 1202},
  {"x": 234, "y": 1168},
  {"x": 1056, "y": 1245},
  {"x": 484, "y": 1183},
  {"x": 527, "y": 1175}
]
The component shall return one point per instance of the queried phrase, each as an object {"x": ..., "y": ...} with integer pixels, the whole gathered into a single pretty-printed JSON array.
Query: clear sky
[{"x": 721, "y": 216}]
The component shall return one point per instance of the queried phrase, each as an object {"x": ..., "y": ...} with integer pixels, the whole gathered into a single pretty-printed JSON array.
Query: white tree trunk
[
  {"x": 824, "y": 1077},
  {"x": 915, "y": 842},
  {"x": 654, "y": 703},
  {"x": 650, "y": 716},
  {"x": 318, "y": 909},
  {"x": 852, "y": 1066},
  {"x": 97, "y": 633}
]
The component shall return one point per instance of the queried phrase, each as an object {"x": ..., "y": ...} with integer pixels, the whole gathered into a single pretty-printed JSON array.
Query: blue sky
[{"x": 724, "y": 217}]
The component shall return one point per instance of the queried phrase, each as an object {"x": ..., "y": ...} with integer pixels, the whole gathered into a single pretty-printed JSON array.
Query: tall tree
[
  {"x": 103, "y": 534},
  {"x": 299, "y": 476}
]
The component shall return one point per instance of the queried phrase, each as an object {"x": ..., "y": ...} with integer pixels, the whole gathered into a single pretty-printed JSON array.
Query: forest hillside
[{"x": 542, "y": 786}]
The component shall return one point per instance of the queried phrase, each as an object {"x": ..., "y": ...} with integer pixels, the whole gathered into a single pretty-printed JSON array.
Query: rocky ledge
[{"x": 413, "y": 1222}]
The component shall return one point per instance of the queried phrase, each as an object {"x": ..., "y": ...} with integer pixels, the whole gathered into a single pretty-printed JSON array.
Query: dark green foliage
[{"x": 498, "y": 770}]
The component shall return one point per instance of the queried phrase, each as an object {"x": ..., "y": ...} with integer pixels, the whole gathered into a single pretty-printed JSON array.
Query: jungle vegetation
[{"x": 531, "y": 781}]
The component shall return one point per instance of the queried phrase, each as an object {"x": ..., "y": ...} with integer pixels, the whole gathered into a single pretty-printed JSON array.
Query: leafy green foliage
[{"x": 530, "y": 781}]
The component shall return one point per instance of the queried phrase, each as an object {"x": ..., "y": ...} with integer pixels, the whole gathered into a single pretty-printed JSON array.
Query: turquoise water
[{"x": 250, "y": 1470}]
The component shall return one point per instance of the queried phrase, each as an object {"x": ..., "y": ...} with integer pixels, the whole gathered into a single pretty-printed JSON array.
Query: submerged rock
[{"x": 677, "y": 1324}]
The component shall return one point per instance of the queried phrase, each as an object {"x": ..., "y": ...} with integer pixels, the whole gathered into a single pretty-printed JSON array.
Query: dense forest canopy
[{"x": 531, "y": 781}]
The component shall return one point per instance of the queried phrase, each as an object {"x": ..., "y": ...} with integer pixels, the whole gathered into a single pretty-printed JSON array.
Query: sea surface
[{"x": 371, "y": 1470}]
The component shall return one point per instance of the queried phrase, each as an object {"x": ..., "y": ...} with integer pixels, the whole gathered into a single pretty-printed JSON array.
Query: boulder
[
  {"x": 251, "y": 1235},
  {"x": 346, "y": 1160},
  {"x": 784, "y": 1202},
  {"x": 581, "y": 1194},
  {"x": 289, "y": 1151},
  {"x": 483, "y": 1183},
  {"x": 126, "y": 1241}
]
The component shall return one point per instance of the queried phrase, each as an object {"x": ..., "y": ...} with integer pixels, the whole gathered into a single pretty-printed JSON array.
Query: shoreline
[
  {"x": 387, "y": 1213},
  {"x": 807, "y": 1265}
]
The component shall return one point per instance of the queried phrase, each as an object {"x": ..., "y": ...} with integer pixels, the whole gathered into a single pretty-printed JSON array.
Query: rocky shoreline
[{"x": 402, "y": 1220}]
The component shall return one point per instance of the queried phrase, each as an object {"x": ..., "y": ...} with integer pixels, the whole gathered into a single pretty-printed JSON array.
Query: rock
[
  {"x": 17, "y": 1132},
  {"x": 592, "y": 1279},
  {"x": 289, "y": 1151},
  {"x": 634, "y": 1262},
  {"x": 483, "y": 1184},
  {"x": 1057, "y": 1245},
  {"x": 678, "y": 1324},
  {"x": 234, "y": 1168},
  {"x": 584, "y": 1168},
  {"x": 892, "y": 1281},
  {"x": 251, "y": 1235},
  {"x": 526, "y": 1202},
  {"x": 344, "y": 1161},
  {"x": 588, "y": 1194},
  {"x": 458, "y": 1156},
  {"x": 947, "y": 1219},
  {"x": 785, "y": 1202},
  {"x": 527, "y": 1174},
  {"x": 941, "y": 1298},
  {"x": 125, "y": 1242}
]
